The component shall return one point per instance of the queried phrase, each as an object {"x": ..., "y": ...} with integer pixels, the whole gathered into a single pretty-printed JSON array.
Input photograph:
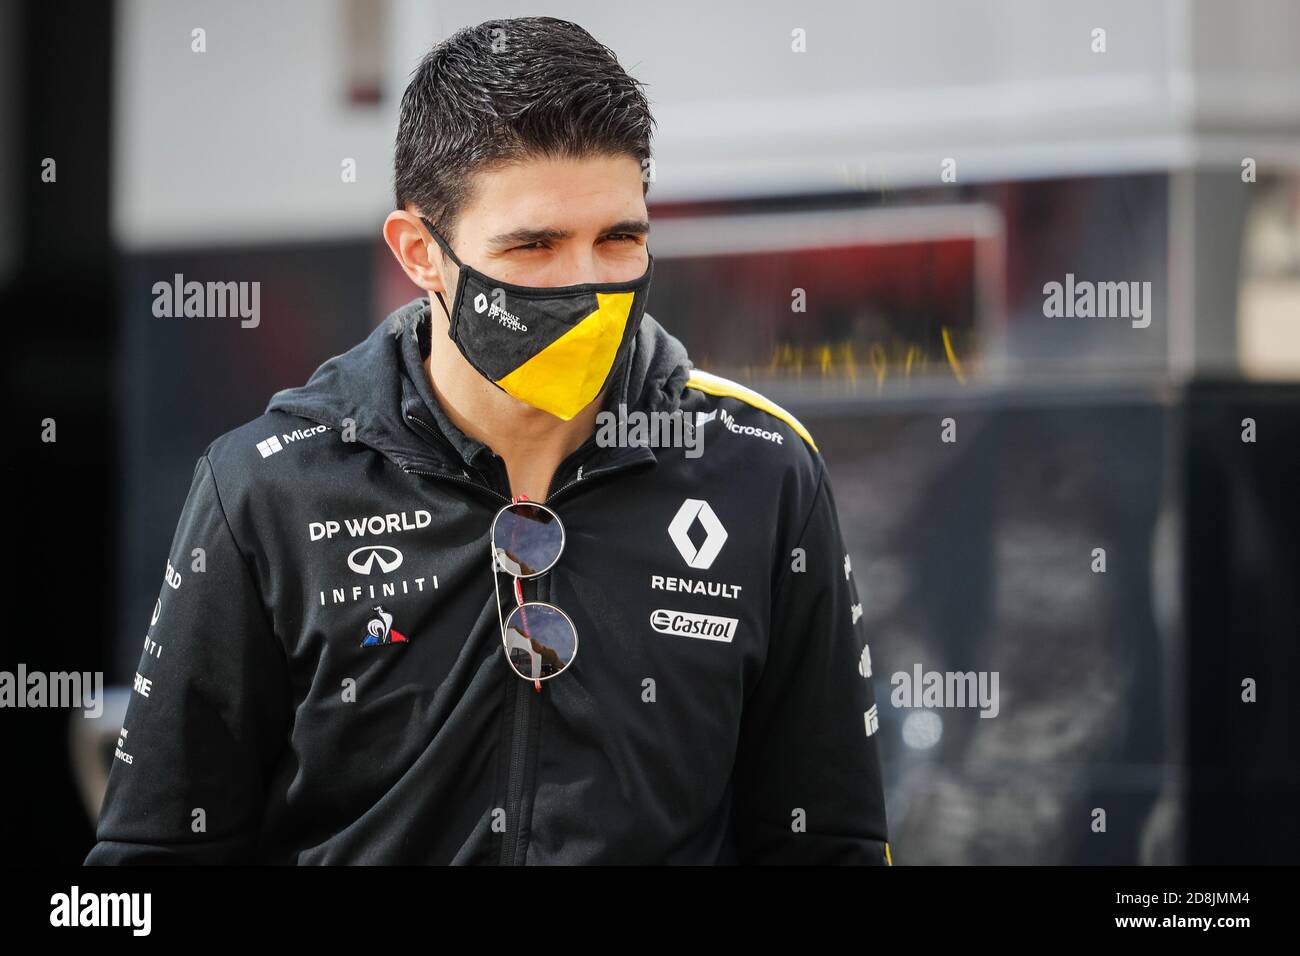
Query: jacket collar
[{"x": 380, "y": 385}]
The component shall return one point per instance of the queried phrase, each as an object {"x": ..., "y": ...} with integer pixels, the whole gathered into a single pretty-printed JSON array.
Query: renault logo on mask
[
  {"x": 715, "y": 535},
  {"x": 480, "y": 303}
]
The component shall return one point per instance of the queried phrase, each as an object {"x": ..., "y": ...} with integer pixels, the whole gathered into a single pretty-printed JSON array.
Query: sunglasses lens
[
  {"x": 527, "y": 539},
  {"x": 540, "y": 640}
]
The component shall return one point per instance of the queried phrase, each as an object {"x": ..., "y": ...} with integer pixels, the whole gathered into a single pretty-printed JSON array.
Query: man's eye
[{"x": 539, "y": 244}]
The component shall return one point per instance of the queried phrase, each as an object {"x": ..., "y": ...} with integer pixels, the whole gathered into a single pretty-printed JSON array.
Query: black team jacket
[{"x": 720, "y": 708}]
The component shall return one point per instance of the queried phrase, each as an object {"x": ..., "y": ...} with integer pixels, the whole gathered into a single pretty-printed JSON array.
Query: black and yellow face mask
[{"x": 553, "y": 348}]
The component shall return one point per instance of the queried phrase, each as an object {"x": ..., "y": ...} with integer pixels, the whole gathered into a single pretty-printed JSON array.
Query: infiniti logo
[{"x": 363, "y": 560}]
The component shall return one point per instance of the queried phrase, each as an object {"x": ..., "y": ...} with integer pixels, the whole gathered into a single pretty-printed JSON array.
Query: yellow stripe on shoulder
[{"x": 712, "y": 384}]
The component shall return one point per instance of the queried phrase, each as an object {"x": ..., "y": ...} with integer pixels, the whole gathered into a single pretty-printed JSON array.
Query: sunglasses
[{"x": 540, "y": 640}]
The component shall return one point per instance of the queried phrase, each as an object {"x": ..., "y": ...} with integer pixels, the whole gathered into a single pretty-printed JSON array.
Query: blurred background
[{"x": 856, "y": 210}]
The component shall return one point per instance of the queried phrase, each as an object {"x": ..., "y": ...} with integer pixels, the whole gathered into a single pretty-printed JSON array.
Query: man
[{"x": 374, "y": 645}]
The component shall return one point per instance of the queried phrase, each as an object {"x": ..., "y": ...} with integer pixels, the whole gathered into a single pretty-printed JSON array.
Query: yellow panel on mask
[{"x": 565, "y": 376}]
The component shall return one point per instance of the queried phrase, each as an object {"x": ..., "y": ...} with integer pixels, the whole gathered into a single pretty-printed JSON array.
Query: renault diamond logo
[
  {"x": 715, "y": 535},
  {"x": 363, "y": 560}
]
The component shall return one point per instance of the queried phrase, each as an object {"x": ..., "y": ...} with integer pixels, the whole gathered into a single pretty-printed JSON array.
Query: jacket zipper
[
  {"x": 518, "y": 744},
  {"x": 591, "y": 474},
  {"x": 519, "y": 733},
  {"x": 437, "y": 474},
  {"x": 525, "y": 705},
  {"x": 463, "y": 481},
  {"x": 553, "y": 495}
]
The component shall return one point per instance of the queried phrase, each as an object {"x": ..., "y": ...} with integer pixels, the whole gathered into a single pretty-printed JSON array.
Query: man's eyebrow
[
  {"x": 637, "y": 227},
  {"x": 525, "y": 235}
]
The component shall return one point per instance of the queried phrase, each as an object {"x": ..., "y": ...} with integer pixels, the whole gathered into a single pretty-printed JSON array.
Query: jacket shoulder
[
  {"x": 271, "y": 455},
  {"x": 750, "y": 425},
  {"x": 276, "y": 441},
  {"x": 717, "y": 385},
  {"x": 750, "y": 439}
]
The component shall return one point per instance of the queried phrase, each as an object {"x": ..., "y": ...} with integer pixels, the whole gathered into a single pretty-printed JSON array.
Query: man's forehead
[{"x": 552, "y": 196}]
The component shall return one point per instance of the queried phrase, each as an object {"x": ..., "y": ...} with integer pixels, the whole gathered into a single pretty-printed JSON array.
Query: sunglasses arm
[
  {"x": 519, "y": 599},
  {"x": 496, "y": 588}
]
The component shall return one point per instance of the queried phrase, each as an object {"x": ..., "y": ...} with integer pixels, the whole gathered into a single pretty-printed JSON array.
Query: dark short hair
[{"x": 508, "y": 90}]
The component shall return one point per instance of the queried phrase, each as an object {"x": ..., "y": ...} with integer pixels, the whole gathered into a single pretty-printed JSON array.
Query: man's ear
[{"x": 414, "y": 250}]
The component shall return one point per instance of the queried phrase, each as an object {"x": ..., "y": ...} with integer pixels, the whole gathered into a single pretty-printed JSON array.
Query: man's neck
[{"x": 531, "y": 442}]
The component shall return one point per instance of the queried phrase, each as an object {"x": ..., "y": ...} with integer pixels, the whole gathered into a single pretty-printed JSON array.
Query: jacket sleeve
[
  {"x": 209, "y": 710},
  {"x": 807, "y": 780}
]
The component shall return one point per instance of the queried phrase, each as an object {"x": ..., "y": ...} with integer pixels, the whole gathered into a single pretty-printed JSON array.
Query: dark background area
[{"x": 61, "y": 319}]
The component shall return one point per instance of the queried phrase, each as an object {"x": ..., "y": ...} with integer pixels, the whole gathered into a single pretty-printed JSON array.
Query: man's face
[{"x": 553, "y": 222}]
